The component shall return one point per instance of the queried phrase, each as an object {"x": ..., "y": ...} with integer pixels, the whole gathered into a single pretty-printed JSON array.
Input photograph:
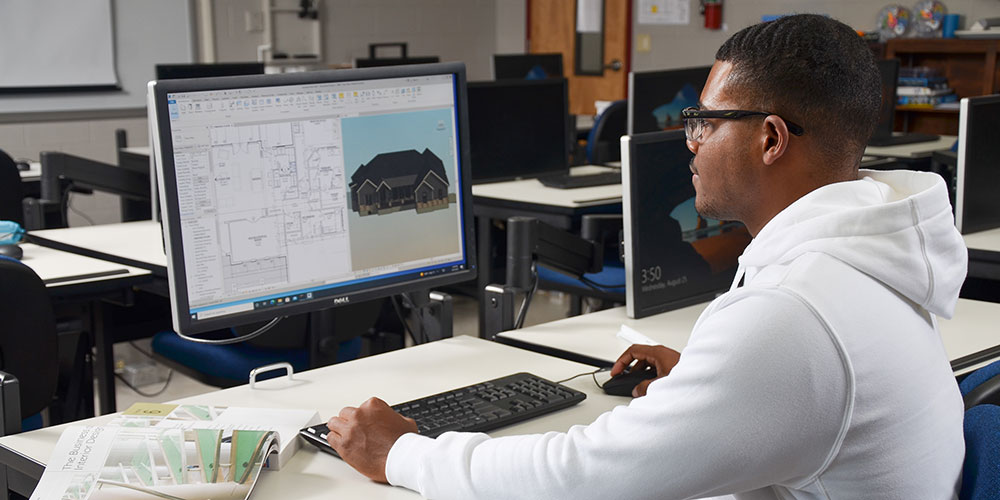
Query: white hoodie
[{"x": 823, "y": 376}]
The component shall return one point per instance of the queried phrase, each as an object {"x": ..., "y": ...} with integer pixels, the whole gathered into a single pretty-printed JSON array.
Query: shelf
[{"x": 928, "y": 110}]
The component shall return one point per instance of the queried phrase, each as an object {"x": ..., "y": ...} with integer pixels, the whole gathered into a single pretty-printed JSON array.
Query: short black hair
[{"x": 812, "y": 70}]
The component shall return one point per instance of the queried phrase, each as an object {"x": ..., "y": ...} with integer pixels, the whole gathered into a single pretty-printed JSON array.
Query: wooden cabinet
[{"x": 970, "y": 66}]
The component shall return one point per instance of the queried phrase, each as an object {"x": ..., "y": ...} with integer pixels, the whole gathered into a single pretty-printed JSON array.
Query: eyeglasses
[{"x": 694, "y": 120}]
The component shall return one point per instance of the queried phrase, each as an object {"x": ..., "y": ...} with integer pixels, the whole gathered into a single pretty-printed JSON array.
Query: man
[{"x": 820, "y": 374}]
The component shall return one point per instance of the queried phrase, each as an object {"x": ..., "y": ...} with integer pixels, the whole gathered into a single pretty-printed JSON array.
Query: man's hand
[
  {"x": 363, "y": 436},
  {"x": 660, "y": 358}
]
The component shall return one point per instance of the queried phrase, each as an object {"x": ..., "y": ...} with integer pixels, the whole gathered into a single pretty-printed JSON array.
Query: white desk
[
  {"x": 984, "y": 255},
  {"x": 984, "y": 240},
  {"x": 138, "y": 244},
  {"x": 968, "y": 338},
  {"x": 916, "y": 150},
  {"x": 533, "y": 192},
  {"x": 395, "y": 377},
  {"x": 62, "y": 270},
  {"x": 32, "y": 174}
]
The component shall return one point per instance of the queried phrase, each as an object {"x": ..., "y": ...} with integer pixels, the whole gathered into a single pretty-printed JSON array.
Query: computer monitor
[
  {"x": 518, "y": 129},
  {"x": 978, "y": 169},
  {"x": 674, "y": 257},
  {"x": 287, "y": 193},
  {"x": 173, "y": 71},
  {"x": 883, "y": 135},
  {"x": 393, "y": 61},
  {"x": 656, "y": 98},
  {"x": 527, "y": 66}
]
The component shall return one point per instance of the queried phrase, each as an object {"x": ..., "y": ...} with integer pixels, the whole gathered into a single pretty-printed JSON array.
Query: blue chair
[
  {"x": 603, "y": 142},
  {"x": 981, "y": 473}
]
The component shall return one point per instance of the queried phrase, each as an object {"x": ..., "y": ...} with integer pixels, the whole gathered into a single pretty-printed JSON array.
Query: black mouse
[
  {"x": 23, "y": 165},
  {"x": 12, "y": 251},
  {"x": 623, "y": 383}
]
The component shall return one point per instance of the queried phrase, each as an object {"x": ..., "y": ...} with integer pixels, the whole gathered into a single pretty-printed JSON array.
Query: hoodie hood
[{"x": 895, "y": 226}]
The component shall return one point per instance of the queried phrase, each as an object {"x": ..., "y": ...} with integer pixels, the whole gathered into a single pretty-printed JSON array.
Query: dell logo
[{"x": 341, "y": 300}]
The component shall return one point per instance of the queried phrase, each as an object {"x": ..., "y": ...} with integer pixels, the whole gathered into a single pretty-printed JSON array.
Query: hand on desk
[
  {"x": 660, "y": 358},
  {"x": 363, "y": 436}
]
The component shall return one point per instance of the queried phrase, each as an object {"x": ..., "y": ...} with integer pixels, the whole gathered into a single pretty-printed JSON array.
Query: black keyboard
[
  {"x": 566, "y": 181},
  {"x": 476, "y": 408},
  {"x": 907, "y": 138}
]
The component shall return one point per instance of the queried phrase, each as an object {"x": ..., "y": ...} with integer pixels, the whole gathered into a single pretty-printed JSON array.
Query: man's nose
[{"x": 692, "y": 145}]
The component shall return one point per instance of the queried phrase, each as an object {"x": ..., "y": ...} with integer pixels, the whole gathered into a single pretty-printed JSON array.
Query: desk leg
[
  {"x": 484, "y": 277},
  {"x": 103, "y": 362}
]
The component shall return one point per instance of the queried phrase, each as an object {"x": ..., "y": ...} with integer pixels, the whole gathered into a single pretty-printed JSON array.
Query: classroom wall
[{"x": 693, "y": 45}]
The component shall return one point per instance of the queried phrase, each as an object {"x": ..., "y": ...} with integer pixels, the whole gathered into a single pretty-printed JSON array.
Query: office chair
[
  {"x": 603, "y": 142},
  {"x": 981, "y": 472},
  {"x": 11, "y": 191},
  {"x": 302, "y": 341},
  {"x": 29, "y": 349},
  {"x": 608, "y": 285}
]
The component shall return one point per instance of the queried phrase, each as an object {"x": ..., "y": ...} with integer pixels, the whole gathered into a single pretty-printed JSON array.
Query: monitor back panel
[
  {"x": 527, "y": 66},
  {"x": 656, "y": 98},
  {"x": 889, "y": 71},
  {"x": 518, "y": 129},
  {"x": 674, "y": 257},
  {"x": 174, "y": 71},
  {"x": 394, "y": 61},
  {"x": 977, "y": 206}
]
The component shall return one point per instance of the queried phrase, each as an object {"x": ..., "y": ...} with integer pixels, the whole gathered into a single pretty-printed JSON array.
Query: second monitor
[
  {"x": 527, "y": 66},
  {"x": 656, "y": 98}
]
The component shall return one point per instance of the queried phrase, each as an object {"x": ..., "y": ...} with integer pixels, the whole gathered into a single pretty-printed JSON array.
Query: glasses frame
[{"x": 699, "y": 116}]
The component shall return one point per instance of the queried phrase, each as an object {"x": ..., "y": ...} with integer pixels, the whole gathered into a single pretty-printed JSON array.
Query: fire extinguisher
[{"x": 712, "y": 10}]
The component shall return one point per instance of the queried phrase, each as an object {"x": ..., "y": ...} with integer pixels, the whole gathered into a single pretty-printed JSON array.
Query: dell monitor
[
  {"x": 174, "y": 71},
  {"x": 656, "y": 98},
  {"x": 283, "y": 194},
  {"x": 394, "y": 61},
  {"x": 883, "y": 135},
  {"x": 978, "y": 171},
  {"x": 518, "y": 129},
  {"x": 527, "y": 66},
  {"x": 674, "y": 256}
]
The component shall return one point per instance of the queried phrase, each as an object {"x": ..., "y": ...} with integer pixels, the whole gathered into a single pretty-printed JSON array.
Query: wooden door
[{"x": 552, "y": 28}]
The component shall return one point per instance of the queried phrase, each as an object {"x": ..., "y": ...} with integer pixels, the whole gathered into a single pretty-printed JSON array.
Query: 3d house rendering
[{"x": 400, "y": 180}]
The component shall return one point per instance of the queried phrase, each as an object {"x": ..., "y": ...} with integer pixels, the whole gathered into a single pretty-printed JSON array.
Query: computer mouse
[
  {"x": 623, "y": 383},
  {"x": 12, "y": 251},
  {"x": 23, "y": 165}
]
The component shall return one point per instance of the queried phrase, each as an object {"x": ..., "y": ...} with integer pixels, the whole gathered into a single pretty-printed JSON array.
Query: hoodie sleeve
[{"x": 760, "y": 397}]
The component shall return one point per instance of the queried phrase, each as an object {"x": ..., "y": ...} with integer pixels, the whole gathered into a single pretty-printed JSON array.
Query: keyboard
[
  {"x": 566, "y": 181},
  {"x": 899, "y": 139},
  {"x": 476, "y": 408}
]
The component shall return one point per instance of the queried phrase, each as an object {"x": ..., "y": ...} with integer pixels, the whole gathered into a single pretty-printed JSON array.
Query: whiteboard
[
  {"x": 53, "y": 43},
  {"x": 144, "y": 33}
]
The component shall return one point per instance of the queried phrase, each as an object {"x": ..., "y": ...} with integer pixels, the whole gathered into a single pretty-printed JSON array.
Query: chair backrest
[
  {"x": 604, "y": 138},
  {"x": 10, "y": 190},
  {"x": 982, "y": 386},
  {"x": 981, "y": 472},
  {"x": 28, "y": 344}
]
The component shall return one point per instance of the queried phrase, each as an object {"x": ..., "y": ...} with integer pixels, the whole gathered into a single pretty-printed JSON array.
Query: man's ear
[{"x": 774, "y": 139}]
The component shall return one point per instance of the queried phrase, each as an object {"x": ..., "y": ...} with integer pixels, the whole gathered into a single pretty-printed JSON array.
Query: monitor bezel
[
  {"x": 630, "y": 125},
  {"x": 630, "y": 201},
  {"x": 567, "y": 143},
  {"x": 176, "y": 269}
]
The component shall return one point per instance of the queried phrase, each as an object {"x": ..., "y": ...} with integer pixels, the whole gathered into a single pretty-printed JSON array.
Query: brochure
[{"x": 190, "y": 452}]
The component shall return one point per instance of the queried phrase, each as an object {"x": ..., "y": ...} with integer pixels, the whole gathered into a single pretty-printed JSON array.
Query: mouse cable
[
  {"x": 243, "y": 338},
  {"x": 593, "y": 374}
]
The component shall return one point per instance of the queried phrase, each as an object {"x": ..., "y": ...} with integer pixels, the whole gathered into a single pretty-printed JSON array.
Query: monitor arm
[
  {"x": 61, "y": 170},
  {"x": 530, "y": 241}
]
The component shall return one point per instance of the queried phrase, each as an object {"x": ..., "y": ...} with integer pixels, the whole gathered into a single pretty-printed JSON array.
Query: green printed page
[
  {"x": 173, "y": 451},
  {"x": 208, "y": 441},
  {"x": 245, "y": 452}
]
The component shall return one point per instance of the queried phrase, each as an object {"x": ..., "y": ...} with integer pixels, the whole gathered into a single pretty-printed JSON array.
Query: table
[
  {"x": 528, "y": 197},
  {"x": 984, "y": 254},
  {"x": 311, "y": 474},
  {"x": 919, "y": 150},
  {"x": 137, "y": 244},
  {"x": 970, "y": 337}
]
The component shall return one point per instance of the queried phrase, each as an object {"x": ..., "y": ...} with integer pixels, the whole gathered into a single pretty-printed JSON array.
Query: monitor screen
[
  {"x": 394, "y": 61},
  {"x": 288, "y": 193},
  {"x": 889, "y": 72},
  {"x": 172, "y": 71},
  {"x": 674, "y": 257},
  {"x": 518, "y": 128},
  {"x": 527, "y": 66},
  {"x": 976, "y": 204},
  {"x": 656, "y": 98}
]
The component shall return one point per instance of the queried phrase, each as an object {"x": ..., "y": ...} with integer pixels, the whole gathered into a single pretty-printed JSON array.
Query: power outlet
[{"x": 643, "y": 42}]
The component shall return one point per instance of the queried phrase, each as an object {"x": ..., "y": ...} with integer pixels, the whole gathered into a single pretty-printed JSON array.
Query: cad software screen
[{"x": 296, "y": 192}]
